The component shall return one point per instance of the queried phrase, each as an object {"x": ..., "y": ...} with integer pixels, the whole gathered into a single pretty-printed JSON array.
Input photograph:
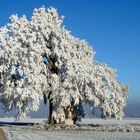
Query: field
[{"x": 88, "y": 129}]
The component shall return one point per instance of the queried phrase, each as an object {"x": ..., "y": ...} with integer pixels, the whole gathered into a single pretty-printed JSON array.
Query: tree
[{"x": 40, "y": 57}]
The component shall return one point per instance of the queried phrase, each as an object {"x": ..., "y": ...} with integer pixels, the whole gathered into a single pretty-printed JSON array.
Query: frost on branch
[{"x": 41, "y": 57}]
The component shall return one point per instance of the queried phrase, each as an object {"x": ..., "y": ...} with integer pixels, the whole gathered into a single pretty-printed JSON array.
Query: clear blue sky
[{"x": 112, "y": 27}]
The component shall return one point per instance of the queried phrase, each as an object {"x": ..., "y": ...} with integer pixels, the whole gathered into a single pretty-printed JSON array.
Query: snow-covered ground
[
  {"x": 20, "y": 134},
  {"x": 89, "y": 129},
  {"x": 111, "y": 121},
  {"x": 84, "y": 120}
]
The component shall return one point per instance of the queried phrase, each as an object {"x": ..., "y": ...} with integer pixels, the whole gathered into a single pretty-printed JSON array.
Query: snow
[
  {"x": 71, "y": 74},
  {"x": 70, "y": 135},
  {"x": 34, "y": 133},
  {"x": 84, "y": 120},
  {"x": 27, "y": 120},
  {"x": 111, "y": 121}
]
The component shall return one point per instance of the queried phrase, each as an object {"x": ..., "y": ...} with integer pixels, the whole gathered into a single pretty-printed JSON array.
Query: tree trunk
[
  {"x": 51, "y": 119},
  {"x": 70, "y": 114}
]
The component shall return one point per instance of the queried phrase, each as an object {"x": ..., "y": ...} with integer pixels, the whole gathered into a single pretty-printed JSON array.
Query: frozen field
[
  {"x": 84, "y": 120},
  {"x": 19, "y": 134},
  {"x": 89, "y": 129}
]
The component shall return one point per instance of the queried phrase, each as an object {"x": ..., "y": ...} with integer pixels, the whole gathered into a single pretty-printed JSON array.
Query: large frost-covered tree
[{"x": 40, "y": 57}]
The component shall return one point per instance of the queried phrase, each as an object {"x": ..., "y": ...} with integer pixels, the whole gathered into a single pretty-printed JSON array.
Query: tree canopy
[{"x": 39, "y": 56}]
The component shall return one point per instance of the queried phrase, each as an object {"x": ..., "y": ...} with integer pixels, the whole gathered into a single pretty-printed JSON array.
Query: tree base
[{"x": 69, "y": 121}]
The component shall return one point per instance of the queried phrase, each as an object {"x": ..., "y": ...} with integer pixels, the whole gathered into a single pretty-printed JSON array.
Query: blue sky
[{"x": 112, "y": 27}]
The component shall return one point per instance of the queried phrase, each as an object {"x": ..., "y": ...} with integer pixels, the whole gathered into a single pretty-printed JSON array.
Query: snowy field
[{"x": 89, "y": 129}]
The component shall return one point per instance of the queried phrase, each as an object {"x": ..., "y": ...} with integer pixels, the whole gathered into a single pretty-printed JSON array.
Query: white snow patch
[{"x": 22, "y": 133}]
